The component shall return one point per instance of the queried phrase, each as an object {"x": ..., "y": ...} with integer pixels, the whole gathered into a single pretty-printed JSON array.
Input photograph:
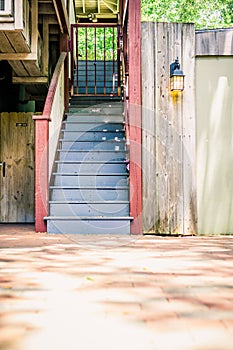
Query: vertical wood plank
[
  {"x": 134, "y": 35},
  {"x": 17, "y": 151},
  {"x": 45, "y": 56},
  {"x": 175, "y": 142},
  {"x": 189, "y": 134},
  {"x": 173, "y": 131},
  {"x": 162, "y": 126},
  {"x": 34, "y": 33},
  {"x": 148, "y": 127}
]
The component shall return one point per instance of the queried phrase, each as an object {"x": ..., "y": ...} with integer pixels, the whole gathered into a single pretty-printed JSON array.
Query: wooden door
[{"x": 16, "y": 167}]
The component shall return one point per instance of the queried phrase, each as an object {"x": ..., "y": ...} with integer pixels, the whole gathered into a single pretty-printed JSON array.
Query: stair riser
[
  {"x": 89, "y": 195},
  {"x": 96, "y": 168},
  {"x": 95, "y": 181},
  {"x": 89, "y": 146},
  {"x": 92, "y": 156},
  {"x": 82, "y": 209},
  {"x": 70, "y": 126},
  {"x": 97, "y": 110},
  {"x": 91, "y": 136},
  {"x": 95, "y": 118},
  {"x": 89, "y": 227}
]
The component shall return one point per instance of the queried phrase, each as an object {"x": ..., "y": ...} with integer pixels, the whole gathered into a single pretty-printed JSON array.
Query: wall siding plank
[
  {"x": 17, "y": 151},
  {"x": 168, "y": 130},
  {"x": 214, "y": 42},
  {"x": 148, "y": 127}
]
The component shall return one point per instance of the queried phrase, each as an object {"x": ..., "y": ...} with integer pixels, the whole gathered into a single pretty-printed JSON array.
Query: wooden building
[
  {"x": 36, "y": 71},
  {"x": 92, "y": 139}
]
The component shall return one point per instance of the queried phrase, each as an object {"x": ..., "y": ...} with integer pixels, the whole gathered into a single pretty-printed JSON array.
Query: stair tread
[
  {"x": 95, "y": 141},
  {"x": 87, "y": 202},
  {"x": 93, "y": 113},
  {"x": 71, "y": 211},
  {"x": 95, "y": 131},
  {"x": 90, "y": 151},
  {"x": 91, "y": 162},
  {"x": 90, "y": 174},
  {"x": 101, "y": 122},
  {"x": 90, "y": 187},
  {"x": 115, "y": 218}
]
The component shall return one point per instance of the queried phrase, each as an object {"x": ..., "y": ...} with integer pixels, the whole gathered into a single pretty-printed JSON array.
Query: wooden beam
[
  {"x": 18, "y": 41},
  {"x": 109, "y": 6},
  {"x": 16, "y": 56},
  {"x": 19, "y": 15},
  {"x": 135, "y": 122},
  {"x": 29, "y": 80},
  {"x": 45, "y": 54},
  {"x": 61, "y": 16},
  {"x": 125, "y": 9},
  {"x": 46, "y": 9},
  {"x": 83, "y": 3},
  {"x": 98, "y": 6},
  {"x": 118, "y": 6},
  {"x": 34, "y": 34}
]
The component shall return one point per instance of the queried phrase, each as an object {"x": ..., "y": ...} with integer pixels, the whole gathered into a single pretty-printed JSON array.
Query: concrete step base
[{"x": 87, "y": 225}]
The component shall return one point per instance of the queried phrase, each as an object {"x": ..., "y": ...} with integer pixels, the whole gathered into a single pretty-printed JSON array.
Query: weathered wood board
[
  {"x": 17, "y": 170},
  {"x": 214, "y": 42},
  {"x": 168, "y": 119}
]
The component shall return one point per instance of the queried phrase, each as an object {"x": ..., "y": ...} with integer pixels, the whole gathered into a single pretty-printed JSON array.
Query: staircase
[{"x": 89, "y": 193}]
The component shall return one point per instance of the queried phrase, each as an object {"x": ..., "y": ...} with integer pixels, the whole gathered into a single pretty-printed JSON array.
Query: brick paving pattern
[{"x": 71, "y": 292}]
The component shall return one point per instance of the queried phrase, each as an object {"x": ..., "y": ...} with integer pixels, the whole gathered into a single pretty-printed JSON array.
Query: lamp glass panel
[{"x": 177, "y": 83}]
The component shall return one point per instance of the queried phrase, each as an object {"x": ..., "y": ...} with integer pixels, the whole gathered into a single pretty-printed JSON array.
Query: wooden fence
[
  {"x": 214, "y": 121},
  {"x": 168, "y": 130}
]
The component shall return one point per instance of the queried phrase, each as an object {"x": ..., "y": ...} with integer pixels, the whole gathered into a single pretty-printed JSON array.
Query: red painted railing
[
  {"x": 131, "y": 36},
  {"x": 42, "y": 148}
]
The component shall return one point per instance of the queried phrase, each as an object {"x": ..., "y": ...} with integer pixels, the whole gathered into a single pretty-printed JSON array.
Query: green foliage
[
  {"x": 205, "y": 14},
  {"x": 103, "y": 39}
]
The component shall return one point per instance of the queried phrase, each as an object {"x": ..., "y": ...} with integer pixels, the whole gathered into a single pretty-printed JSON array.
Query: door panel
[{"x": 17, "y": 167}]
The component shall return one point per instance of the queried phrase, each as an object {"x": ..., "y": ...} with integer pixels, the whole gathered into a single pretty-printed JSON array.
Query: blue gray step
[
  {"x": 90, "y": 126},
  {"x": 92, "y": 135},
  {"x": 82, "y": 208},
  {"x": 107, "y": 145},
  {"x": 96, "y": 101},
  {"x": 94, "y": 167},
  {"x": 93, "y": 155},
  {"x": 99, "y": 118},
  {"x": 107, "y": 193},
  {"x": 88, "y": 225},
  {"x": 99, "y": 109},
  {"x": 85, "y": 179}
]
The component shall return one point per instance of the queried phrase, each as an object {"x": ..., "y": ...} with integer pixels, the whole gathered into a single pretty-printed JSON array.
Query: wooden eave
[
  {"x": 22, "y": 55},
  {"x": 97, "y": 11},
  {"x": 61, "y": 16}
]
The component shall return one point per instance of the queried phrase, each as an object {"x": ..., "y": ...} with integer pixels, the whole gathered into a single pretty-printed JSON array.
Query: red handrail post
[
  {"x": 135, "y": 118},
  {"x": 41, "y": 172}
]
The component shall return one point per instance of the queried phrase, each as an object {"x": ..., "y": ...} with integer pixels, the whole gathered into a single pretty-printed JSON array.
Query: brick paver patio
[{"x": 114, "y": 292}]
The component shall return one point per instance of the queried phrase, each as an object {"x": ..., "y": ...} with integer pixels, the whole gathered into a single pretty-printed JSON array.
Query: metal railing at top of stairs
[{"x": 95, "y": 60}]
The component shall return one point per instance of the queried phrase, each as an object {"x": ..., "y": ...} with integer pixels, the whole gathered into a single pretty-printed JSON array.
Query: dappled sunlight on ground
[{"x": 150, "y": 293}]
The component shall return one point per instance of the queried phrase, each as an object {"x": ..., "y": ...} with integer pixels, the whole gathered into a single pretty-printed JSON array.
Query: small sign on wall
[{"x": 22, "y": 124}]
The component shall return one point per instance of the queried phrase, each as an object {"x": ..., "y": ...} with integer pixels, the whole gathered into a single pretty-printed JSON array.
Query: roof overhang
[{"x": 97, "y": 11}]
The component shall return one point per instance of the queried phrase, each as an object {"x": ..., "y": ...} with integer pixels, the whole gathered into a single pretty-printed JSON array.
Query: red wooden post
[
  {"x": 135, "y": 132},
  {"x": 41, "y": 172}
]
